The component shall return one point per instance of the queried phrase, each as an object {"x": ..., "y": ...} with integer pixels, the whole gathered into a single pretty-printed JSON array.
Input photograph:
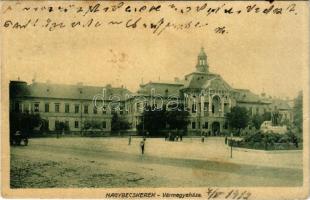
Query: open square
[{"x": 111, "y": 162}]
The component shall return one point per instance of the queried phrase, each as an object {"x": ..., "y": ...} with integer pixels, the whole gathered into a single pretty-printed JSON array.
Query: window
[
  {"x": 47, "y": 124},
  {"x": 250, "y": 110},
  {"x": 66, "y": 125},
  {"x": 56, "y": 125},
  {"x": 104, "y": 110},
  {"x": 206, "y": 126},
  {"x": 225, "y": 126},
  {"x": 86, "y": 109},
  {"x": 57, "y": 106},
  {"x": 121, "y": 109},
  {"x": 95, "y": 110},
  {"x": 206, "y": 106},
  {"x": 76, "y": 124},
  {"x": 17, "y": 107},
  {"x": 47, "y": 107},
  {"x": 194, "y": 108},
  {"x": 67, "y": 108},
  {"x": 76, "y": 108},
  {"x": 104, "y": 124},
  {"x": 193, "y": 125},
  {"x": 36, "y": 107}
]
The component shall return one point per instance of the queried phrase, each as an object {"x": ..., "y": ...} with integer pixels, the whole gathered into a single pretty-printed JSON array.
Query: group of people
[{"x": 171, "y": 137}]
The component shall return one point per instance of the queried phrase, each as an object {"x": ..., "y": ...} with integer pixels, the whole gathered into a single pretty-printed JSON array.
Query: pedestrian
[
  {"x": 129, "y": 140},
  {"x": 181, "y": 138},
  {"x": 142, "y": 144},
  {"x": 203, "y": 139},
  {"x": 226, "y": 139},
  {"x": 166, "y": 137},
  {"x": 295, "y": 140}
]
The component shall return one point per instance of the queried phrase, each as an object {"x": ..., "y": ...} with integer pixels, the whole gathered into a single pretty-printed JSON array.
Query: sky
[{"x": 263, "y": 54}]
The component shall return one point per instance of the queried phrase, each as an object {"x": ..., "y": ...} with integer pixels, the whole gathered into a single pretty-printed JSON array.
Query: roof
[
  {"x": 246, "y": 96},
  {"x": 281, "y": 104},
  {"x": 199, "y": 80},
  {"x": 161, "y": 88},
  {"x": 202, "y": 53},
  {"x": 63, "y": 91}
]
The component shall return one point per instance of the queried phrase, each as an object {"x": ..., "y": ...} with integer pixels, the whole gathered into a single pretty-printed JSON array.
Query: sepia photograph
[{"x": 157, "y": 99}]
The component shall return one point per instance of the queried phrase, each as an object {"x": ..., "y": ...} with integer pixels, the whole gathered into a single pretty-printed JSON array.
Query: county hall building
[{"x": 206, "y": 95}]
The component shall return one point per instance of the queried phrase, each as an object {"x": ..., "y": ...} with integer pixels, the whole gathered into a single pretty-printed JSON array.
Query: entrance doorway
[{"x": 216, "y": 128}]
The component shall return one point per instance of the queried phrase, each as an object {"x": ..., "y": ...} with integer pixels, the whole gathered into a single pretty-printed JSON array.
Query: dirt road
[{"x": 84, "y": 162}]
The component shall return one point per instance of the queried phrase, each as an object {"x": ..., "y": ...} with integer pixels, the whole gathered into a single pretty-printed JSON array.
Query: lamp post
[
  {"x": 231, "y": 144},
  {"x": 142, "y": 124}
]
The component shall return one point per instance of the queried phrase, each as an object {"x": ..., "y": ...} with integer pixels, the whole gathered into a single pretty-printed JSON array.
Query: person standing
[
  {"x": 203, "y": 139},
  {"x": 142, "y": 144},
  {"x": 129, "y": 140}
]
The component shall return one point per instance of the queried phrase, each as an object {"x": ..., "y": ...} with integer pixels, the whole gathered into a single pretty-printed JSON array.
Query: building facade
[{"x": 206, "y": 96}]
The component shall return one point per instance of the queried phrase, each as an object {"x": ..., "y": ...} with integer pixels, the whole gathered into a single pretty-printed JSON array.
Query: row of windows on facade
[
  {"x": 76, "y": 124},
  {"x": 206, "y": 125},
  {"x": 206, "y": 107},
  {"x": 36, "y": 108},
  {"x": 251, "y": 110},
  {"x": 95, "y": 110}
]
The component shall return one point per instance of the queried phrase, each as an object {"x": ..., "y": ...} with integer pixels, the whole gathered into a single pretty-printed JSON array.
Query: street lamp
[
  {"x": 142, "y": 124},
  {"x": 231, "y": 144}
]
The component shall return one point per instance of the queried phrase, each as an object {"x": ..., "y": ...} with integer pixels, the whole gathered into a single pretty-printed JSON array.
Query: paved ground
[{"x": 111, "y": 162}]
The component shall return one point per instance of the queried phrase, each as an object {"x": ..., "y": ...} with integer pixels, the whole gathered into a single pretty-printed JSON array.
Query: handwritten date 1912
[{"x": 235, "y": 194}]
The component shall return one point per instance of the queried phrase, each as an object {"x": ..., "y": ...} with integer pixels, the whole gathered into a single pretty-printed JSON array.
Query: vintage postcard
[{"x": 155, "y": 99}]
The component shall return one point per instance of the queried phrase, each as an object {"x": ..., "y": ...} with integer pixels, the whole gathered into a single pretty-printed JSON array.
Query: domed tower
[{"x": 202, "y": 65}]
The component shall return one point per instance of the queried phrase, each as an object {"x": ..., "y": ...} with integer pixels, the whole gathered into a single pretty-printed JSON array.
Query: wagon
[{"x": 18, "y": 138}]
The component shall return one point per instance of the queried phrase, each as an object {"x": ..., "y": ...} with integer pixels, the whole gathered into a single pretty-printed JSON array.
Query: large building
[{"x": 206, "y": 95}]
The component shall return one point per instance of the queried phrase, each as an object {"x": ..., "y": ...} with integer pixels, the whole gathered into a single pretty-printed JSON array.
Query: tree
[
  {"x": 297, "y": 112},
  {"x": 92, "y": 124},
  {"x": 258, "y": 119},
  {"x": 25, "y": 122},
  {"x": 238, "y": 118},
  {"x": 153, "y": 121},
  {"x": 118, "y": 123},
  {"x": 177, "y": 118}
]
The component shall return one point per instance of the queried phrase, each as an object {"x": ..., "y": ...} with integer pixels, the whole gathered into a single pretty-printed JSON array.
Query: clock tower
[{"x": 202, "y": 65}]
